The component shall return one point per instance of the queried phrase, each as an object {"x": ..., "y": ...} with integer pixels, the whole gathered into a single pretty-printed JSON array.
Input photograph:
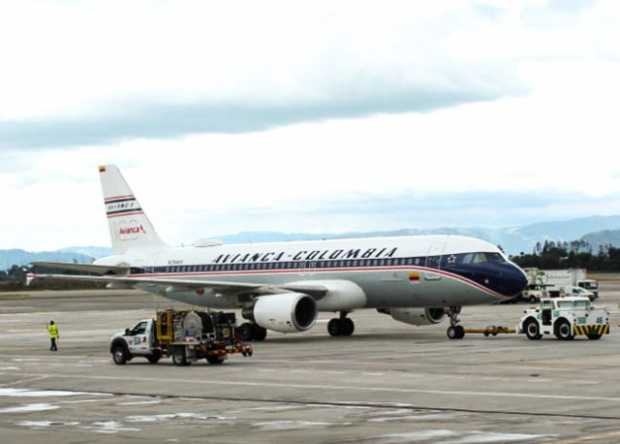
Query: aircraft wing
[
  {"x": 316, "y": 291},
  {"x": 83, "y": 268}
]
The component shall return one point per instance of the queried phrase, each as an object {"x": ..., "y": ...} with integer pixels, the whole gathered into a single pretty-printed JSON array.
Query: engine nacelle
[
  {"x": 285, "y": 312},
  {"x": 418, "y": 316}
]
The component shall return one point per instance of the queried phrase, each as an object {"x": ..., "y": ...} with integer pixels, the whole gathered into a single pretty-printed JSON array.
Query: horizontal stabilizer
[{"x": 83, "y": 268}]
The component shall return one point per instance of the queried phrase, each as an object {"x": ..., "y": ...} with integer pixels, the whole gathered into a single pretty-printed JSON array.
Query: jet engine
[
  {"x": 417, "y": 316},
  {"x": 285, "y": 312}
]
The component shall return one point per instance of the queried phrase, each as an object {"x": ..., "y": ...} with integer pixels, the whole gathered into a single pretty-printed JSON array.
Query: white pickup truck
[{"x": 565, "y": 318}]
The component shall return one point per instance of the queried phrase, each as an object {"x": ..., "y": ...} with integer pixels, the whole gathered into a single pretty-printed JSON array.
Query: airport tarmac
[{"x": 389, "y": 383}]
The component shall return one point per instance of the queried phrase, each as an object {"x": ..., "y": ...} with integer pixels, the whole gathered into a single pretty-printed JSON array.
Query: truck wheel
[
  {"x": 120, "y": 355},
  {"x": 154, "y": 357},
  {"x": 594, "y": 336},
  {"x": 532, "y": 299},
  {"x": 532, "y": 330},
  {"x": 563, "y": 330},
  {"x": 215, "y": 360},
  {"x": 179, "y": 358}
]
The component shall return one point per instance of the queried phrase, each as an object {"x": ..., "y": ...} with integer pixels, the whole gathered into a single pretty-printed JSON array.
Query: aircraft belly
[{"x": 382, "y": 289}]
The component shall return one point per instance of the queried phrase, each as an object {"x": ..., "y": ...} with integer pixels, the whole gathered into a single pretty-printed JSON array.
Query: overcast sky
[{"x": 306, "y": 116}]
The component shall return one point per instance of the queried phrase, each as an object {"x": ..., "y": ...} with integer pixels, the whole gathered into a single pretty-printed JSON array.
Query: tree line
[
  {"x": 551, "y": 255},
  {"x": 548, "y": 255}
]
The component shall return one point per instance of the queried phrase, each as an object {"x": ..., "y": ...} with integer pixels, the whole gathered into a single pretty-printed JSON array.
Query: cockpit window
[{"x": 475, "y": 258}]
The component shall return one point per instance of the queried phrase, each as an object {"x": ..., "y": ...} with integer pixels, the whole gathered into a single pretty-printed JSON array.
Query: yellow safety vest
[{"x": 53, "y": 331}]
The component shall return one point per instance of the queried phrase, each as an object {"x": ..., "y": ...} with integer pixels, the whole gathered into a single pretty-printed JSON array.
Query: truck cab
[
  {"x": 565, "y": 318},
  {"x": 533, "y": 293},
  {"x": 140, "y": 340},
  {"x": 579, "y": 291},
  {"x": 590, "y": 285}
]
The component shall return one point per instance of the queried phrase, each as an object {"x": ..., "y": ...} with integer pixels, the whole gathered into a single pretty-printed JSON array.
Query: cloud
[
  {"x": 198, "y": 68},
  {"x": 170, "y": 120}
]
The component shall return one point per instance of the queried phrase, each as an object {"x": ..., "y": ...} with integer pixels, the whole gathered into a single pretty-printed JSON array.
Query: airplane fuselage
[{"x": 414, "y": 271}]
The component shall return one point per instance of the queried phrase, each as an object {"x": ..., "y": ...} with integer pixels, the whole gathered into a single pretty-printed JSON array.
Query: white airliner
[{"x": 283, "y": 286}]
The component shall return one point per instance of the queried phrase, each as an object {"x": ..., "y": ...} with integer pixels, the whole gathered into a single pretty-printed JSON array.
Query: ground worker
[{"x": 52, "y": 329}]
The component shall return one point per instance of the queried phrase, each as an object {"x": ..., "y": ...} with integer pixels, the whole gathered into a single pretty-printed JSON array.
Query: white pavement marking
[
  {"x": 25, "y": 380},
  {"x": 354, "y": 388}
]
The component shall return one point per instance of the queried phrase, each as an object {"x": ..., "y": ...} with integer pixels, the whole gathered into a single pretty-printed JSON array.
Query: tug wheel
[
  {"x": 532, "y": 330},
  {"x": 594, "y": 336},
  {"x": 563, "y": 330}
]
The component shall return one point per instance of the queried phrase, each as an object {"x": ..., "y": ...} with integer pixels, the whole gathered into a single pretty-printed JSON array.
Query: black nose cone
[
  {"x": 506, "y": 279},
  {"x": 513, "y": 281}
]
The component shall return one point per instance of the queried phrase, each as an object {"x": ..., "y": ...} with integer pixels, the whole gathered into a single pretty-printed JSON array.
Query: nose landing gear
[
  {"x": 455, "y": 331},
  {"x": 341, "y": 326}
]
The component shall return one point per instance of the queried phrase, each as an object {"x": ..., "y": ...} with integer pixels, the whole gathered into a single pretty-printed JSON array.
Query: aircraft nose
[{"x": 515, "y": 280}]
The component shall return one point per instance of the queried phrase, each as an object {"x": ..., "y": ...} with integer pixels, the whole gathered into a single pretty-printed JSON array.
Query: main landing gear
[
  {"x": 249, "y": 332},
  {"x": 455, "y": 331},
  {"x": 341, "y": 326}
]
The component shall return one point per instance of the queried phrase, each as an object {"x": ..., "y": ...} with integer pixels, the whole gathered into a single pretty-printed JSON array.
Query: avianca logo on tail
[{"x": 132, "y": 230}]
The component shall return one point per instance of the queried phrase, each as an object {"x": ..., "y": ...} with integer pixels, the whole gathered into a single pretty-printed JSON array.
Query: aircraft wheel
[
  {"x": 454, "y": 332},
  {"x": 460, "y": 331},
  {"x": 334, "y": 327},
  {"x": 258, "y": 333},
  {"x": 347, "y": 326},
  {"x": 246, "y": 332}
]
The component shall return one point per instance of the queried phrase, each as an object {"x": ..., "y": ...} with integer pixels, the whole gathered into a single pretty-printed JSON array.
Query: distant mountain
[
  {"x": 596, "y": 230},
  {"x": 570, "y": 229},
  {"x": 94, "y": 252},
  {"x": 8, "y": 258},
  {"x": 512, "y": 239},
  {"x": 605, "y": 237}
]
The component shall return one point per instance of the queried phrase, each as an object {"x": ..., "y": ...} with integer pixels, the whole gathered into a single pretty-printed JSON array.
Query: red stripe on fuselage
[{"x": 327, "y": 270}]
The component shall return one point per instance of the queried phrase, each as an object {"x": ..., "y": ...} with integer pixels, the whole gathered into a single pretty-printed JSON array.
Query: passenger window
[{"x": 433, "y": 261}]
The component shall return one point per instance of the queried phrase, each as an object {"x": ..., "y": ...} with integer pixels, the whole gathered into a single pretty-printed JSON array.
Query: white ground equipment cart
[{"x": 565, "y": 318}]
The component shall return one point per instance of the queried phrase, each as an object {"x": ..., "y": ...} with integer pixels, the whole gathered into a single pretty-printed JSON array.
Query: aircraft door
[{"x": 546, "y": 316}]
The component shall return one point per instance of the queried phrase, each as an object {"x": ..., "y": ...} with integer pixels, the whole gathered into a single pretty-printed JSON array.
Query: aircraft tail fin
[{"x": 130, "y": 228}]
